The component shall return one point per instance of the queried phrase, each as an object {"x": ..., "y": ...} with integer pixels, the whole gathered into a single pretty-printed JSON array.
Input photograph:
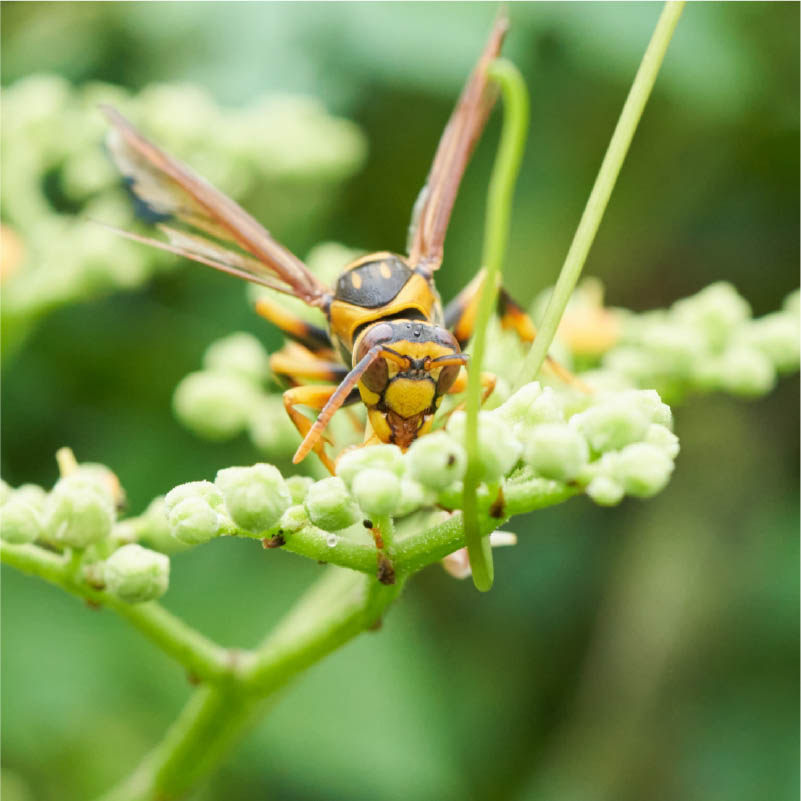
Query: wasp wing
[
  {"x": 170, "y": 189},
  {"x": 432, "y": 211}
]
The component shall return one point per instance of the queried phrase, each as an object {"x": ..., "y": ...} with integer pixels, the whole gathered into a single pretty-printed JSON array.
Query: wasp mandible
[{"x": 388, "y": 342}]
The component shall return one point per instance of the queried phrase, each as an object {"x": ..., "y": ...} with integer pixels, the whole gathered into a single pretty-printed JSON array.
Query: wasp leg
[
  {"x": 312, "y": 336},
  {"x": 315, "y": 397},
  {"x": 295, "y": 362},
  {"x": 460, "y": 317}
]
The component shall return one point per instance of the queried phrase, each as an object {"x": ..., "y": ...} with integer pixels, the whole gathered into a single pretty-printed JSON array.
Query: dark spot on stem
[
  {"x": 274, "y": 542},
  {"x": 451, "y": 459},
  {"x": 386, "y": 572},
  {"x": 367, "y": 523},
  {"x": 498, "y": 505}
]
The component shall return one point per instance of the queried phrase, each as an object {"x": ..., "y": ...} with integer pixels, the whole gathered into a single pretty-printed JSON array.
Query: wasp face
[{"x": 403, "y": 389}]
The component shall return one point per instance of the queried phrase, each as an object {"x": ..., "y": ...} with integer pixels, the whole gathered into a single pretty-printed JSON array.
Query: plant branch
[
  {"x": 602, "y": 190},
  {"x": 199, "y": 655}
]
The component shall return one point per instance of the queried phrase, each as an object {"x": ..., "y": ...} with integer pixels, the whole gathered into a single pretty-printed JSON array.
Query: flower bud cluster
[
  {"x": 707, "y": 342},
  {"x": 79, "y": 515},
  {"x": 51, "y": 142}
]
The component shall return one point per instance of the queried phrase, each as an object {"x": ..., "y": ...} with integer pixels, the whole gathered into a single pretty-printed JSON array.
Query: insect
[{"x": 389, "y": 343}]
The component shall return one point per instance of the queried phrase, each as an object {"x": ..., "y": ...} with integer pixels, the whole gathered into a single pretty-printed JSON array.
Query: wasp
[{"x": 389, "y": 342}]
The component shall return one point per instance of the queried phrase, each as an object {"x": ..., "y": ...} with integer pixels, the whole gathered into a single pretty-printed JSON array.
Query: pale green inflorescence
[
  {"x": 258, "y": 154},
  {"x": 80, "y": 511},
  {"x": 136, "y": 574},
  {"x": 195, "y": 512}
]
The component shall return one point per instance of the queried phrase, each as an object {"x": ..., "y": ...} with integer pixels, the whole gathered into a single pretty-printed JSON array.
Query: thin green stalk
[
  {"x": 203, "y": 658},
  {"x": 496, "y": 234},
  {"x": 602, "y": 190}
]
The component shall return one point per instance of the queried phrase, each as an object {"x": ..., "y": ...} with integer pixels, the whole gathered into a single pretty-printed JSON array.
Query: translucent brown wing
[
  {"x": 170, "y": 189},
  {"x": 432, "y": 211}
]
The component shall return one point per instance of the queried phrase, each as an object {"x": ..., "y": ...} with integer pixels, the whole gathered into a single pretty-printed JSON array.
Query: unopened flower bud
[
  {"x": 5, "y": 491},
  {"x": 498, "y": 448},
  {"x": 746, "y": 371},
  {"x": 664, "y": 439},
  {"x": 19, "y": 522},
  {"x": 777, "y": 337},
  {"x": 643, "y": 469},
  {"x": 377, "y": 490},
  {"x": 214, "y": 405},
  {"x": 673, "y": 345},
  {"x": 79, "y": 512},
  {"x": 31, "y": 494},
  {"x": 293, "y": 519},
  {"x": 330, "y": 506},
  {"x": 193, "y": 521},
  {"x": 605, "y": 491},
  {"x": 378, "y": 457},
  {"x": 557, "y": 451},
  {"x": 650, "y": 404},
  {"x": 792, "y": 303},
  {"x": 413, "y": 496},
  {"x": 298, "y": 486},
  {"x": 255, "y": 497},
  {"x": 714, "y": 311},
  {"x": 239, "y": 354},
  {"x": 436, "y": 460},
  {"x": 530, "y": 405},
  {"x": 136, "y": 574},
  {"x": 611, "y": 424},
  {"x": 270, "y": 428}
]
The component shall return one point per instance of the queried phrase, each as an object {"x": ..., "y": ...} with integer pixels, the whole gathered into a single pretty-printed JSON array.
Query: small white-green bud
[
  {"x": 664, "y": 439},
  {"x": 32, "y": 494},
  {"x": 293, "y": 519},
  {"x": 330, "y": 506},
  {"x": 777, "y": 337},
  {"x": 674, "y": 345},
  {"x": 377, "y": 490},
  {"x": 436, "y": 460},
  {"x": 529, "y": 406},
  {"x": 79, "y": 513},
  {"x": 611, "y": 424},
  {"x": 650, "y": 404},
  {"x": 204, "y": 490},
  {"x": 239, "y": 354},
  {"x": 298, "y": 486},
  {"x": 498, "y": 448},
  {"x": 193, "y": 521},
  {"x": 19, "y": 522},
  {"x": 605, "y": 491},
  {"x": 136, "y": 574},
  {"x": 715, "y": 312},
  {"x": 643, "y": 469},
  {"x": 255, "y": 497},
  {"x": 379, "y": 457},
  {"x": 746, "y": 371},
  {"x": 557, "y": 451},
  {"x": 214, "y": 405},
  {"x": 5, "y": 491},
  {"x": 413, "y": 496}
]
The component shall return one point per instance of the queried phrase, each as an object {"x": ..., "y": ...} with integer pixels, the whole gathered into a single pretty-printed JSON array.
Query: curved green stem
[
  {"x": 496, "y": 234},
  {"x": 199, "y": 655},
  {"x": 602, "y": 190}
]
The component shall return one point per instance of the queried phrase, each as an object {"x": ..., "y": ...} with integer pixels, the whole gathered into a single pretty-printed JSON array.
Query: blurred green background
[{"x": 644, "y": 653}]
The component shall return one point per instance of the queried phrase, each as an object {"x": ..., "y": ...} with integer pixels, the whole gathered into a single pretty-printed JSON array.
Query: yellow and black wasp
[{"x": 389, "y": 342}]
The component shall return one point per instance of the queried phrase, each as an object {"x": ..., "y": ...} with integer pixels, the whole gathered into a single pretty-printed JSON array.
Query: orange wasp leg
[
  {"x": 312, "y": 336},
  {"x": 315, "y": 397},
  {"x": 460, "y": 317}
]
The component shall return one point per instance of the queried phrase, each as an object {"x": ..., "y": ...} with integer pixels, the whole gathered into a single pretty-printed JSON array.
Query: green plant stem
[
  {"x": 496, "y": 235},
  {"x": 199, "y": 655},
  {"x": 602, "y": 189},
  {"x": 336, "y": 609}
]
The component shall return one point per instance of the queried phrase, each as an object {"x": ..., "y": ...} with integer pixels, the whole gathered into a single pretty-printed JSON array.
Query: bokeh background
[{"x": 644, "y": 653}]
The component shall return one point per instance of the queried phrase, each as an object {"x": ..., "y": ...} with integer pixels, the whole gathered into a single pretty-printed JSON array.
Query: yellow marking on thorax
[
  {"x": 408, "y": 397},
  {"x": 385, "y": 271},
  {"x": 356, "y": 280},
  {"x": 345, "y": 318}
]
